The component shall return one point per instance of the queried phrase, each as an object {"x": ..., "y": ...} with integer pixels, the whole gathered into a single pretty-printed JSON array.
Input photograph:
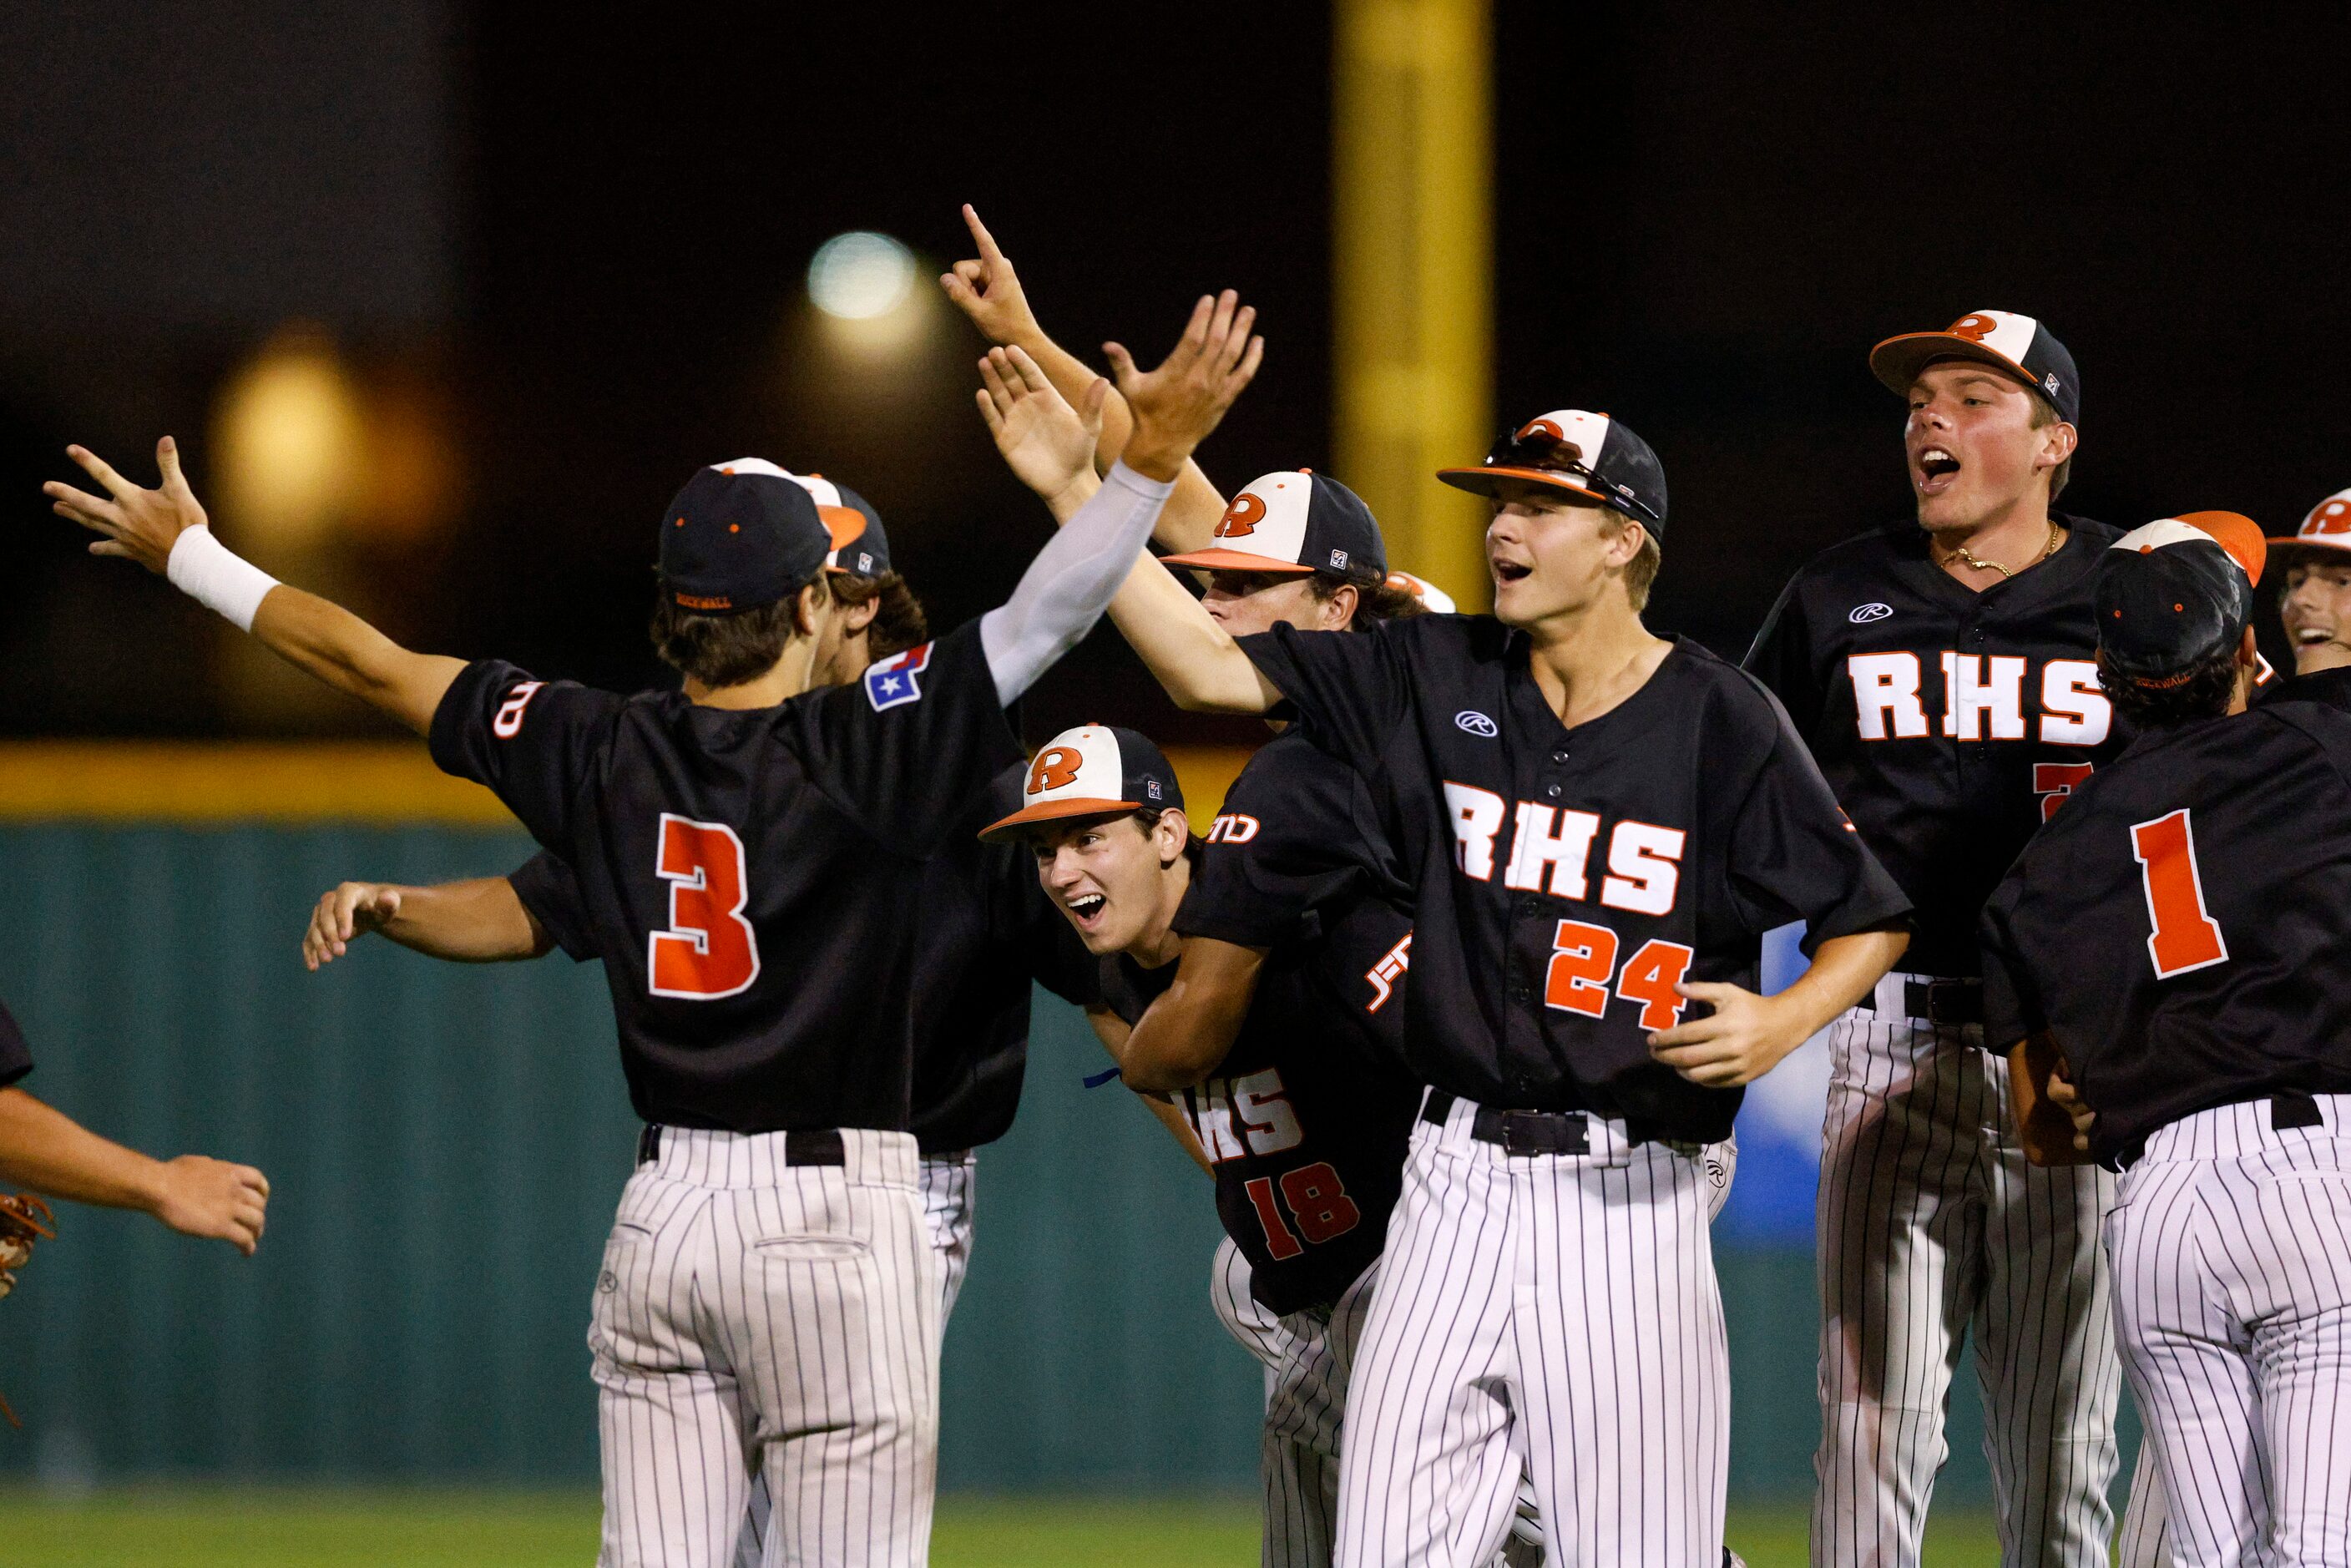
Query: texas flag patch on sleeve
[{"x": 897, "y": 680}]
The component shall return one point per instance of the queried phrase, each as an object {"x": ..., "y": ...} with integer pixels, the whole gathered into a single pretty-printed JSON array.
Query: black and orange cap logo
[
  {"x": 1242, "y": 517},
  {"x": 1056, "y": 767}
]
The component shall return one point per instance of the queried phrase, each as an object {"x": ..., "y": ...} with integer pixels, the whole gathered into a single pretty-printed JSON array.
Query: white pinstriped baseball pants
[
  {"x": 1556, "y": 1314},
  {"x": 756, "y": 1317},
  {"x": 2231, "y": 1242},
  {"x": 1932, "y": 1224}
]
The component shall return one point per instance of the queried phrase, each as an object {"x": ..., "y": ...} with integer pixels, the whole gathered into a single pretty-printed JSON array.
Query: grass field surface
[{"x": 435, "y": 1529}]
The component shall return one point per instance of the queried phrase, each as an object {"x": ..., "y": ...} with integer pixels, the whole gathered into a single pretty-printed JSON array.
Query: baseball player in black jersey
[
  {"x": 43, "y": 1148},
  {"x": 769, "y": 1300},
  {"x": 2315, "y": 604},
  {"x": 2176, "y": 944},
  {"x": 1600, "y": 825},
  {"x": 1942, "y": 673}
]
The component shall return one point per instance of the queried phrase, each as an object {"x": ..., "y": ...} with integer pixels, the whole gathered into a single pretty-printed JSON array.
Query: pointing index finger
[{"x": 987, "y": 242}]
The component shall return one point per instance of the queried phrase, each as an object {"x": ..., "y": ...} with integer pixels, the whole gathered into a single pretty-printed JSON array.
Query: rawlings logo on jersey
[
  {"x": 898, "y": 679},
  {"x": 1475, "y": 723},
  {"x": 1863, "y": 615}
]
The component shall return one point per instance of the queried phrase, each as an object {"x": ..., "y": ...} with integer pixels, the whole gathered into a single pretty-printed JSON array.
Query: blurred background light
[
  {"x": 860, "y": 275},
  {"x": 287, "y": 444}
]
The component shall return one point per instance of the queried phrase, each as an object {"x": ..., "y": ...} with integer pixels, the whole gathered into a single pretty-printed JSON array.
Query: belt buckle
[{"x": 1526, "y": 1132}]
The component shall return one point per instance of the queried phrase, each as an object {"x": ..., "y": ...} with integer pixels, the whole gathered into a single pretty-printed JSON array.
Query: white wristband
[{"x": 215, "y": 577}]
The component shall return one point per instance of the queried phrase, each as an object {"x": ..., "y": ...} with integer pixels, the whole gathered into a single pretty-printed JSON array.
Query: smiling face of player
[
  {"x": 1117, "y": 880},
  {"x": 2317, "y": 610},
  {"x": 1554, "y": 556},
  {"x": 1977, "y": 458},
  {"x": 1245, "y": 602}
]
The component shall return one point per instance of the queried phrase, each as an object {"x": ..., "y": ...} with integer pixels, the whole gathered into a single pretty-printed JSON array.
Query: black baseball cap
[
  {"x": 864, "y": 550},
  {"x": 743, "y": 535},
  {"x": 1093, "y": 770},
  {"x": 2172, "y": 594},
  {"x": 1295, "y": 521},
  {"x": 1587, "y": 455},
  {"x": 2017, "y": 345}
]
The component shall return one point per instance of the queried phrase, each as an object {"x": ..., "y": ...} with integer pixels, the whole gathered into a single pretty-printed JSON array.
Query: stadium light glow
[
  {"x": 287, "y": 443},
  {"x": 860, "y": 275}
]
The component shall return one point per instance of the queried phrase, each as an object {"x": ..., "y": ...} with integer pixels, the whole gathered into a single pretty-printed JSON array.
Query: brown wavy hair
[{"x": 898, "y": 625}]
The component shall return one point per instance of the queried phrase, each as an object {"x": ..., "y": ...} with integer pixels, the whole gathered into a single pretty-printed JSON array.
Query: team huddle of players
[{"x": 1455, "y": 997}]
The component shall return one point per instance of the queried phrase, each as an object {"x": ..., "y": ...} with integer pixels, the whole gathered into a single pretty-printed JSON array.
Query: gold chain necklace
[{"x": 1962, "y": 554}]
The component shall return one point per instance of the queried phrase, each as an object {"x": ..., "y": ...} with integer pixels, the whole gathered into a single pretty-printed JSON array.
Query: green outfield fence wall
[{"x": 446, "y": 1143}]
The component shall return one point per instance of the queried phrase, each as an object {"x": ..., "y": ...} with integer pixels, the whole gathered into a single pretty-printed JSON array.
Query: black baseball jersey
[
  {"x": 16, "y": 1056},
  {"x": 1950, "y": 723},
  {"x": 752, "y": 879},
  {"x": 2182, "y": 928},
  {"x": 1567, "y": 880},
  {"x": 2330, "y": 685},
  {"x": 1306, "y": 1119},
  {"x": 989, "y": 930}
]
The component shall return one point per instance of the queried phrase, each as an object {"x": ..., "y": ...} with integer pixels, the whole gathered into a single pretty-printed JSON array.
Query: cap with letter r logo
[{"x": 1475, "y": 723}]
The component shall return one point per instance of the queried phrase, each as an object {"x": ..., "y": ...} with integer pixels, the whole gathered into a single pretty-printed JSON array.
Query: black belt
[
  {"x": 1528, "y": 1131},
  {"x": 2289, "y": 1109},
  {"x": 818, "y": 1147},
  {"x": 1953, "y": 1001}
]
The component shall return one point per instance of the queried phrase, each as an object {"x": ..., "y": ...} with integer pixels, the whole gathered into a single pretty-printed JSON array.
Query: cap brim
[
  {"x": 1484, "y": 482},
  {"x": 2278, "y": 547},
  {"x": 1054, "y": 811},
  {"x": 1236, "y": 560},
  {"x": 1898, "y": 361}
]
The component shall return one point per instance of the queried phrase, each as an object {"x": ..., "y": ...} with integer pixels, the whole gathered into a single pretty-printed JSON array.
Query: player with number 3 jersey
[{"x": 768, "y": 1298}]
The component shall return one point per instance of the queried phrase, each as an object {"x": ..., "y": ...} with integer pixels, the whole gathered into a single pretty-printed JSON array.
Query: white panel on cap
[
  {"x": 1275, "y": 527},
  {"x": 825, "y": 491},
  {"x": 2163, "y": 531},
  {"x": 1587, "y": 432},
  {"x": 2329, "y": 518},
  {"x": 1102, "y": 772},
  {"x": 752, "y": 465},
  {"x": 2010, "y": 337}
]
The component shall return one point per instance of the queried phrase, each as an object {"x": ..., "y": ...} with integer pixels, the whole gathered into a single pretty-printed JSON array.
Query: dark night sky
[{"x": 1706, "y": 216}]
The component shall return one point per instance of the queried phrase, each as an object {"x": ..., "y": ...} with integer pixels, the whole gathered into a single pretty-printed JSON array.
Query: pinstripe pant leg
[
  {"x": 670, "y": 1416},
  {"x": 1262, "y": 1333},
  {"x": 1305, "y": 1405},
  {"x": 1427, "y": 1465},
  {"x": 1624, "y": 1361},
  {"x": 2189, "y": 1367},
  {"x": 2045, "y": 1351},
  {"x": 828, "y": 1296},
  {"x": 2145, "y": 1539},
  {"x": 1900, "y": 1232}
]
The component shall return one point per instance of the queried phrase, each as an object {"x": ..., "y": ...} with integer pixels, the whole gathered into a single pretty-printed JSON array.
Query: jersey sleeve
[
  {"x": 1781, "y": 658},
  {"x": 1283, "y": 845},
  {"x": 1794, "y": 854},
  {"x": 1351, "y": 689},
  {"x": 905, "y": 749},
  {"x": 531, "y": 742},
  {"x": 16, "y": 1056},
  {"x": 2012, "y": 1001},
  {"x": 551, "y": 893}
]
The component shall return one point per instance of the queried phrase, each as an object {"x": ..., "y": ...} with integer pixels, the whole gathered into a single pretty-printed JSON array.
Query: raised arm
[
  {"x": 482, "y": 920},
  {"x": 1046, "y": 441},
  {"x": 1190, "y": 1028},
  {"x": 164, "y": 530},
  {"x": 989, "y": 291},
  {"x": 43, "y": 1148}
]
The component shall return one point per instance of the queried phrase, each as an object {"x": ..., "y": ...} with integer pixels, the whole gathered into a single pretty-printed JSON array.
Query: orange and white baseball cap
[
  {"x": 1293, "y": 522},
  {"x": 1093, "y": 770},
  {"x": 2326, "y": 531},
  {"x": 2019, "y": 345}
]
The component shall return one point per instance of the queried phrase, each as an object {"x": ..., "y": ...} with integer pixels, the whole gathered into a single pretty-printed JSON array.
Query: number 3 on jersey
[
  {"x": 2183, "y": 934},
  {"x": 709, "y": 950}
]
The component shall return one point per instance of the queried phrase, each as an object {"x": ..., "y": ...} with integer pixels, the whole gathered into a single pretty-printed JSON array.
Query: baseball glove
[{"x": 24, "y": 1220}]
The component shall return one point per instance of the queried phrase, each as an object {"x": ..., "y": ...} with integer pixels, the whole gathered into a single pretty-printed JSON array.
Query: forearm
[
  {"x": 1202, "y": 668},
  {"x": 330, "y": 643},
  {"x": 1067, "y": 587},
  {"x": 478, "y": 922},
  {"x": 1188, "y": 1029},
  {"x": 44, "y": 1149},
  {"x": 1844, "y": 970}
]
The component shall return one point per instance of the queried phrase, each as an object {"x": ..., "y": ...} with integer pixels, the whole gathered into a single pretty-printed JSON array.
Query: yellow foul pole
[{"x": 1413, "y": 273}]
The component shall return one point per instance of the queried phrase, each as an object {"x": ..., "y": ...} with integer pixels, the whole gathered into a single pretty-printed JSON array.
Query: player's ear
[
  {"x": 1174, "y": 829},
  {"x": 2058, "y": 440},
  {"x": 809, "y": 605},
  {"x": 1339, "y": 608}
]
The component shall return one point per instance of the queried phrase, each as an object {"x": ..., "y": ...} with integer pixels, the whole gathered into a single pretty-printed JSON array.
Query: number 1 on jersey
[
  {"x": 2185, "y": 936},
  {"x": 709, "y": 950}
]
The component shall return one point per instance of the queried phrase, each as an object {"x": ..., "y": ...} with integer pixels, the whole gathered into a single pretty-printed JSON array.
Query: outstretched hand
[
  {"x": 1048, "y": 443},
  {"x": 139, "y": 524},
  {"x": 1745, "y": 1036},
  {"x": 1177, "y": 405},
  {"x": 344, "y": 915},
  {"x": 987, "y": 289}
]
